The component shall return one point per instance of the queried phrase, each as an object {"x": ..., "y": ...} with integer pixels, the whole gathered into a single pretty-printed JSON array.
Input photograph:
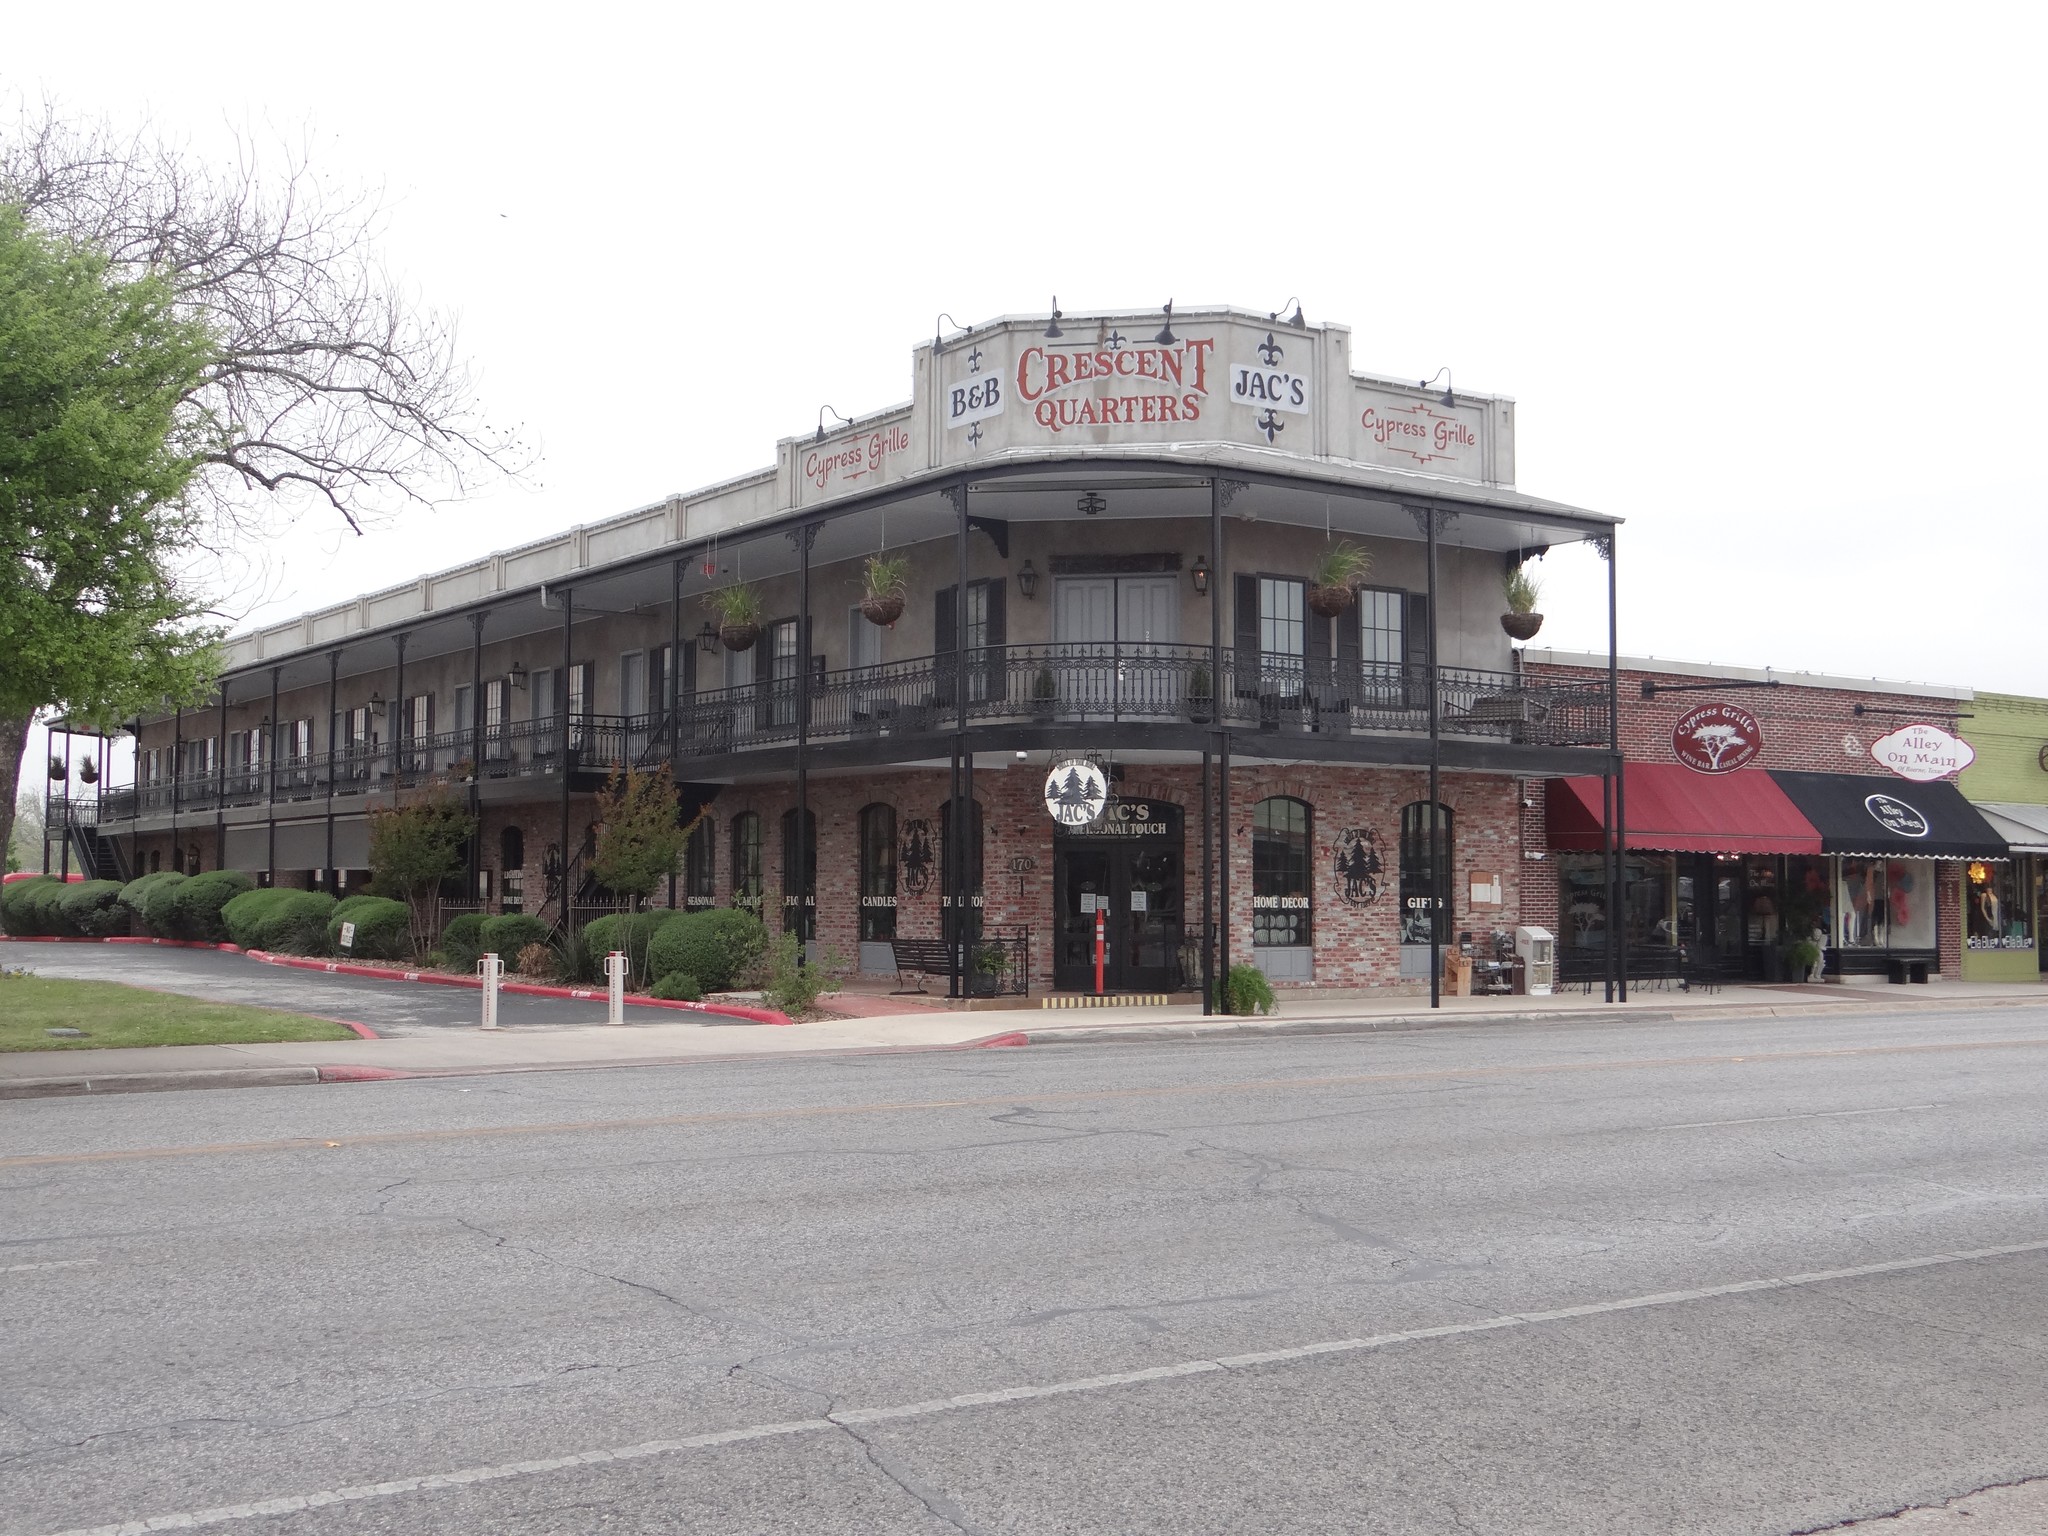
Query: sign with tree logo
[
  {"x": 1075, "y": 791},
  {"x": 1717, "y": 738}
]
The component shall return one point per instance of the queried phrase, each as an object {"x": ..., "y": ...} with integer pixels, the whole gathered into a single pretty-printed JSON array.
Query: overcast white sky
[{"x": 1765, "y": 280}]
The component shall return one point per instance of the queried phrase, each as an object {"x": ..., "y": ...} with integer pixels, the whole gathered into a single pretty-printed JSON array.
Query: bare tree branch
[{"x": 334, "y": 382}]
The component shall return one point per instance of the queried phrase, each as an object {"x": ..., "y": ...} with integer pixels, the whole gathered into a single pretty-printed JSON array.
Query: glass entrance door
[{"x": 1128, "y": 865}]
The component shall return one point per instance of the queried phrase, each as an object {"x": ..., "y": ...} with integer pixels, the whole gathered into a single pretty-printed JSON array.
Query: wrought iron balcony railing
[{"x": 1052, "y": 684}]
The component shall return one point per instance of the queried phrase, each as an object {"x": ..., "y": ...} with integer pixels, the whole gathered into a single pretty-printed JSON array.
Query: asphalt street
[
  {"x": 1738, "y": 1276},
  {"x": 388, "y": 1007}
]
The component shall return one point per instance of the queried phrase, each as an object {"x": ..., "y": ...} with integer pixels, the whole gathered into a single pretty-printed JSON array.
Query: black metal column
[
  {"x": 1615, "y": 844},
  {"x": 476, "y": 745},
  {"x": 1208, "y": 976},
  {"x": 1216, "y": 919},
  {"x": 800, "y": 850},
  {"x": 1436, "y": 743},
  {"x": 220, "y": 784},
  {"x": 177, "y": 789},
  {"x": 962, "y": 817},
  {"x": 270, "y": 783},
  {"x": 1607, "y": 879},
  {"x": 672, "y": 689},
  {"x": 562, "y": 704},
  {"x": 333, "y": 720},
  {"x": 135, "y": 827}
]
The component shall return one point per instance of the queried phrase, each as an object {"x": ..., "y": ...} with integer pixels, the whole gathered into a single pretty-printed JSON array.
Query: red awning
[{"x": 1673, "y": 809}]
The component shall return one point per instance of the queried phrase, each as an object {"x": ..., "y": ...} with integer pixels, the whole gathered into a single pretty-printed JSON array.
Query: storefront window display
[
  {"x": 1418, "y": 858},
  {"x": 1650, "y": 913},
  {"x": 1887, "y": 903},
  {"x": 1998, "y": 910},
  {"x": 700, "y": 875},
  {"x": 1281, "y": 910},
  {"x": 877, "y": 873},
  {"x": 746, "y": 861},
  {"x": 800, "y": 908}
]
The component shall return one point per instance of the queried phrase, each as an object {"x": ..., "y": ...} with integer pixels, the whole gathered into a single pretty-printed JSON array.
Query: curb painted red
[
  {"x": 353, "y": 1074},
  {"x": 1014, "y": 1037},
  {"x": 523, "y": 988}
]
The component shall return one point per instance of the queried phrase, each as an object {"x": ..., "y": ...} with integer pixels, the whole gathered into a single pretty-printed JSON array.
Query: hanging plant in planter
[
  {"x": 58, "y": 772},
  {"x": 88, "y": 772},
  {"x": 739, "y": 615},
  {"x": 888, "y": 577},
  {"x": 1523, "y": 592},
  {"x": 1333, "y": 580}
]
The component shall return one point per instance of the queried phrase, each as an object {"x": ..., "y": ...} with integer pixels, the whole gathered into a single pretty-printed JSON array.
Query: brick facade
[{"x": 1808, "y": 726}]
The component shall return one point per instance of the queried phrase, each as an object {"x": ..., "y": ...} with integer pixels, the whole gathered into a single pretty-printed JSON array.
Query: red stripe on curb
[
  {"x": 361, "y": 1031},
  {"x": 1014, "y": 1037},
  {"x": 360, "y": 1074},
  {"x": 524, "y": 988}
]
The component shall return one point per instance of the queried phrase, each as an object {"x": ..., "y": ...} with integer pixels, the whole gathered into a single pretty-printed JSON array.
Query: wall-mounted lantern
[
  {"x": 1027, "y": 581},
  {"x": 707, "y": 639},
  {"x": 1199, "y": 573}
]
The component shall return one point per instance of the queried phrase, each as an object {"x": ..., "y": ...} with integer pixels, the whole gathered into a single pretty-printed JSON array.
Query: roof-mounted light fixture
[
  {"x": 823, "y": 412},
  {"x": 1052, "y": 329},
  {"x": 1294, "y": 319},
  {"x": 1445, "y": 375},
  {"x": 938, "y": 335},
  {"x": 1166, "y": 338}
]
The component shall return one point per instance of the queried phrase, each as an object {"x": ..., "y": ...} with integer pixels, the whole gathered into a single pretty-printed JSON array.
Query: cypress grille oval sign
[{"x": 1717, "y": 738}]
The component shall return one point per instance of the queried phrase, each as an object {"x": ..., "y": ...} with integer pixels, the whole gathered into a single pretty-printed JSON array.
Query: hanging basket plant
[
  {"x": 58, "y": 772},
  {"x": 1333, "y": 580},
  {"x": 88, "y": 772},
  {"x": 1523, "y": 592},
  {"x": 739, "y": 615},
  {"x": 887, "y": 577}
]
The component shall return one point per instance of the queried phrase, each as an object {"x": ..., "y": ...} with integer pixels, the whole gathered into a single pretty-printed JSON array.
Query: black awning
[{"x": 1891, "y": 818}]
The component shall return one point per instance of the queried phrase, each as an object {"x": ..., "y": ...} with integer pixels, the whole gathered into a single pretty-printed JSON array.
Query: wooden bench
[{"x": 917, "y": 958}]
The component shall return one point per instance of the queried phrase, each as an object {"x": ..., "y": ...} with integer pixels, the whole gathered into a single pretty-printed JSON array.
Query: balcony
[{"x": 1025, "y": 685}]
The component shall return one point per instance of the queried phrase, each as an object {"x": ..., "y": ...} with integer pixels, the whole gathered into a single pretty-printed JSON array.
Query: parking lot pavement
[{"x": 391, "y": 1008}]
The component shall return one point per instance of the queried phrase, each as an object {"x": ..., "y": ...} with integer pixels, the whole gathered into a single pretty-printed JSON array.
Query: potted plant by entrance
[
  {"x": 1334, "y": 578},
  {"x": 739, "y": 615},
  {"x": 1201, "y": 699},
  {"x": 1044, "y": 693},
  {"x": 1801, "y": 956},
  {"x": 1522, "y": 591},
  {"x": 887, "y": 577},
  {"x": 990, "y": 961}
]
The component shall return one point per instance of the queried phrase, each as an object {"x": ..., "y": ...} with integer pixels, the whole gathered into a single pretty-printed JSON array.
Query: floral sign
[{"x": 1717, "y": 738}]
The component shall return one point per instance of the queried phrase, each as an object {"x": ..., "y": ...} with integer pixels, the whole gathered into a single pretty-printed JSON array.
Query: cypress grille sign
[{"x": 1717, "y": 738}]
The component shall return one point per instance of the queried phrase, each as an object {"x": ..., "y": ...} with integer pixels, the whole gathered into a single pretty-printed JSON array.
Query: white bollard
[
  {"x": 492, "y": 969},
  {"x": 615, "y": 995}
]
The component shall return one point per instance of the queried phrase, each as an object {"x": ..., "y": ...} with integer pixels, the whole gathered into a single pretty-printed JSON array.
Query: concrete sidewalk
[{"x": 676, "y": 1040}]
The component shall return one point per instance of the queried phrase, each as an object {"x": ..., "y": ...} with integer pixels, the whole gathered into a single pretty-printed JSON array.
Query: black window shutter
[
  {"x": 945, "y": 630},
  {"x": 1245, "y": 634},
  {"x": 1416, "y": 624},
  {"x": 992, "y": 661},
  {"x": 689, "y": 672}
]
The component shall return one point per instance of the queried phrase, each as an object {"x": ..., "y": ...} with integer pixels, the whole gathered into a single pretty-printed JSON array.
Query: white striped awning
[{"x": 2024, "y": 826}]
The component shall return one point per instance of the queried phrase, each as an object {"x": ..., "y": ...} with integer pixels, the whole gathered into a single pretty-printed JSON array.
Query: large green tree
[
  {"x": 96, "y": 458},
  {"x": 323, "y": 383}
]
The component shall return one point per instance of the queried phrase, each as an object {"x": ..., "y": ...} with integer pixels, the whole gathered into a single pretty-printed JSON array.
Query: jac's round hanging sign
[
  {"x": 1923, "y": 753},
  {"x": 1075, "y": 791},
  {"x": 1717, "y": 738},
  {"x": 1895, "y": 816}
]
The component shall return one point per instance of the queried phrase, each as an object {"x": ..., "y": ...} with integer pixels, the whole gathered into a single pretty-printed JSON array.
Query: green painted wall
[{"x": 2008, "y": 732}]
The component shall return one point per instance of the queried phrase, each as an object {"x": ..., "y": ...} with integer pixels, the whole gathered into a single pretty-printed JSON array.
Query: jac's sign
[
  {"x": 1923, "y": 753},
  {"x": 1717, "y": 738}
]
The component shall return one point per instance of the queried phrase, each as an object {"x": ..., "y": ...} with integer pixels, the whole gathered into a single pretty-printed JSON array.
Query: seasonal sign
[
  {"x": 1895, "y": 816},
  {"x": 1717, "y": 738},
  {"x": 1075, "y": 791},
  {"x": 1923, "y": 753}
]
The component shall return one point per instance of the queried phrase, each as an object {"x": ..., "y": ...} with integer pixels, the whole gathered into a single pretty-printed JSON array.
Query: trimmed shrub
[
  {"x": 462, "y": 942},
  {"x": 196, "y": 907},
  {"x": 39, "y": 908},
  {"x": 135, "y": 898},
  {"x": 159, "y": 907},
  {"x": 15, "y": 901},
  {"x": 505, "y": 936},
  {"x": 89, "y": 910},
  {"x": 630, "y": 931},
  {"x": 718, "y": 946},
  {"x": 280, "y": 921},
  {"x": 677, "y": 987},
  {"x": 383, "y": 928}
]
